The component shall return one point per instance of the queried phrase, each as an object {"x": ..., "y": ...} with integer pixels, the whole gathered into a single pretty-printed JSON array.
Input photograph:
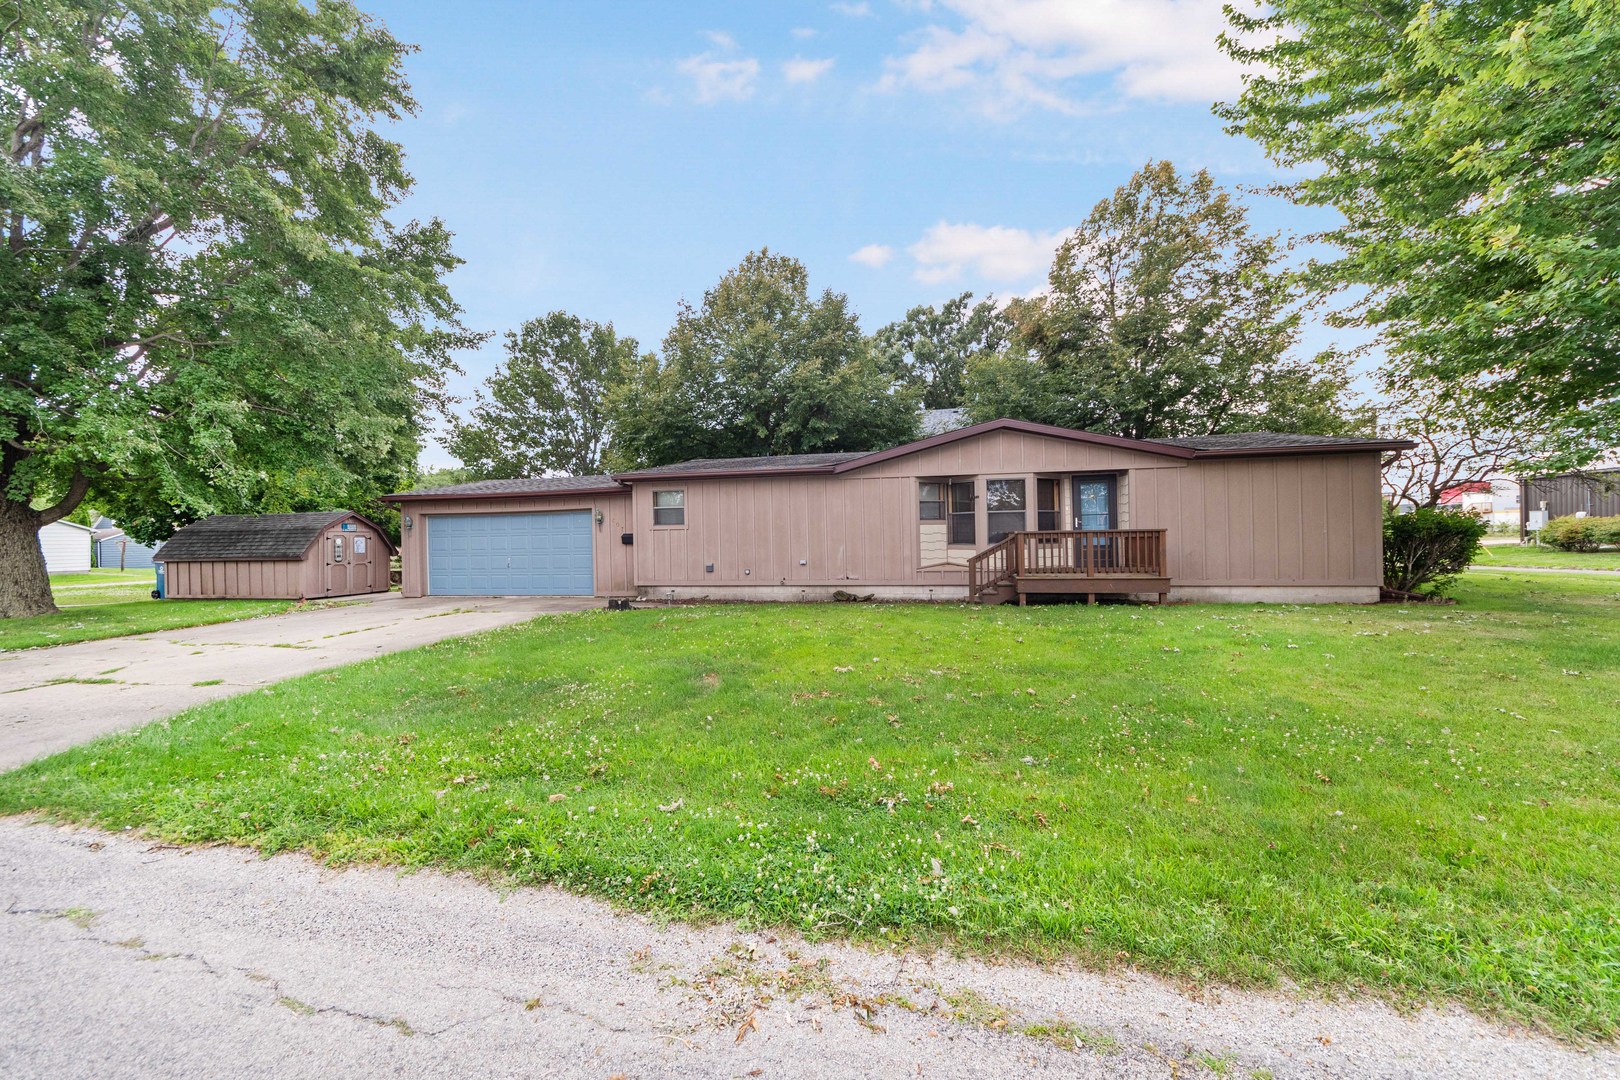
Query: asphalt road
[
  {"x": 149, "y": 676},
  {"x": 124, "y": 958}
]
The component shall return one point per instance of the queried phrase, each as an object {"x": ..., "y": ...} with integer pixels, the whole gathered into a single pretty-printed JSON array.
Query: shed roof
[{"x": 251, "y": 536}]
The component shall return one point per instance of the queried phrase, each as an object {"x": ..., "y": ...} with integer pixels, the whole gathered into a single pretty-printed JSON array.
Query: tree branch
[{"x": 78, "y": 488}]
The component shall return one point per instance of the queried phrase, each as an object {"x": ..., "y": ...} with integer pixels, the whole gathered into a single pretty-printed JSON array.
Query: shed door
[{"x": 545, "y": 554}]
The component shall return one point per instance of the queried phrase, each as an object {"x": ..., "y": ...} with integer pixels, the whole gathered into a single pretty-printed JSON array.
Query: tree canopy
[
  {"x": 1166, "y": 315},
  {"x": 545, "y": 410},
  {"x": 1472, "y": 150},
  {"x": 760, "y": 367},
  {"x": 930, "y": 348},
  {"x": 202, "y": 305}
]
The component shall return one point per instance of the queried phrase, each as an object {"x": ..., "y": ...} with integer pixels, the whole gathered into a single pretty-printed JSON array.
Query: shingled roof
[
  {"x": 768, "y": 463},
  {"x": 1272, "y": 440},
  {"x": 249, "y": 536},
  {"x": 544, "y": 485}
]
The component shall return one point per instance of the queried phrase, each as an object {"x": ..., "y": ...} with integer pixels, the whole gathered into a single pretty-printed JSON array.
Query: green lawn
[
  {"x": 119, "y": 609},
  {"x": 1530, "y": 555},
  {"x": 106, "y": 577},
  {"x": 1419, "y": 800}
]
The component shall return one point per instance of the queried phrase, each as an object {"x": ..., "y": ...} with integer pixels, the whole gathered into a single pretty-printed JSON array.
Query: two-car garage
[
  {"x": 539, "y": 554},
  {"x": 554, "y": 536}
]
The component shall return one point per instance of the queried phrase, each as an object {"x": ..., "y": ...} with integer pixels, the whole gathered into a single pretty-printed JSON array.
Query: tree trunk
[{"x": 25, "y": 586}]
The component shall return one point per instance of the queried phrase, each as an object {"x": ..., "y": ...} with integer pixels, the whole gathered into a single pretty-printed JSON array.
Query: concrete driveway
[{"x": 44, "y": 707}]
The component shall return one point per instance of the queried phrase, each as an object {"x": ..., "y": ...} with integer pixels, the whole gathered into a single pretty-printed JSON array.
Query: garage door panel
[{"x": 539, "y": 554}]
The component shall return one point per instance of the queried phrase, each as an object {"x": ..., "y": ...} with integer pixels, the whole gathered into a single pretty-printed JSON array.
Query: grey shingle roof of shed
[
  {"x": 257, "y": 536},
  {"x": 544, "y": 485},
  {"x": 1264, "y": 440}
]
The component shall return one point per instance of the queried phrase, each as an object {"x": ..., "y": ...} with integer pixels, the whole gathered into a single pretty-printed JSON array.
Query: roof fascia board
[{"x": 411, "y": 496}]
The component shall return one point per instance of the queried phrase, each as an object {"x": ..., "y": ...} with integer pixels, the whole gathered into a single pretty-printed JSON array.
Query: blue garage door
[{"x": 510, "y": 554}]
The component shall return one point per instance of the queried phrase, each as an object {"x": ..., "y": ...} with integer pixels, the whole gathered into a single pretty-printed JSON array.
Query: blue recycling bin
[{"x": 158, "y": 593}]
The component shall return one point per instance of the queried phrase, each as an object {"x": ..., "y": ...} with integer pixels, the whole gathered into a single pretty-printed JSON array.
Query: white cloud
[
  {"x": 721, "y": 39},
  {"x": 874, "y": 255},
  {"x": 1018, "y": 53},
  {"x": 804, "y": 33},
  {"x": 715, "y": 79},
  {"x": 860, "y": 10},
  {"x": 800, "y": 70},
  {"x": 993, "y": 252}
]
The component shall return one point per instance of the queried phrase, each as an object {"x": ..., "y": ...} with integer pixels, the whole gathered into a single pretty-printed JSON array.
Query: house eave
[{"x": 452, "y": 496}]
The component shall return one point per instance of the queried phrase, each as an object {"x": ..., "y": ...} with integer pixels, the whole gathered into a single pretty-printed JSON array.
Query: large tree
[
  {"x": 760, "y": 367},
  {"x": 1472, "y": 150},
  {"x": 1166, "y": 315},
  {"x": 545, "y": 409},
  {"x": 202, "y": 306},
  {"x": 930, "y": 348}
]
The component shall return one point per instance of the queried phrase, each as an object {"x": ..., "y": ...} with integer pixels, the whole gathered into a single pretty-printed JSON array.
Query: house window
[
  {"x": 963, "y": 529},
  {"x": 931, "y": 502},
  {"x": 1005, "y": 504},
  {"x": 1048, "y": 495},
  {"x": 669, "y": 508}
]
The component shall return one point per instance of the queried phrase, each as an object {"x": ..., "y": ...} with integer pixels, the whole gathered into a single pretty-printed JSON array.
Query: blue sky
[{"x": 610, "y": 159}]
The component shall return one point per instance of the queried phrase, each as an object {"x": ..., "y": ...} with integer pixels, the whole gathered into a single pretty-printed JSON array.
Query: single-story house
[
  {"x": 116, "y": 550},
  {"x": 67, "y": 547},
  {"x": 1595, "y": 493},
  {"x": 994, "y": 511},
  {"x": 276, "y": 556}
]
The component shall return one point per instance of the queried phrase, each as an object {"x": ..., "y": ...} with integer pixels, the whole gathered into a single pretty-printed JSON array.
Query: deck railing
[{"x": 1069, "y": 553}]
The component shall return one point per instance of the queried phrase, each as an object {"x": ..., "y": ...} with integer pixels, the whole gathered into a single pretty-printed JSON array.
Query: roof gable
[{"x": 1024, "y": 426}]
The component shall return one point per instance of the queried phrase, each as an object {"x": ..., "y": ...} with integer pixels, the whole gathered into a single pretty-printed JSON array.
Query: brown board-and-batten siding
[
  {"x": 281, "y": 579},
  {"x": 1237, "y": 528},
  {"x": 1240, "y": 523},
  {"x": 610, "y": 558}
]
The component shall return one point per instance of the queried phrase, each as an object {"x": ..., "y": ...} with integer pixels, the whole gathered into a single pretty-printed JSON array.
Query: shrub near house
[
  {"x": 1429, "y": 547},
  {"x": 1581, "y": 534}
]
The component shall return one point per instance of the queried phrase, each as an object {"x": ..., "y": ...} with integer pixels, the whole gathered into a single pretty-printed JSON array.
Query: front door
[{"x": 1096, "y": 507}]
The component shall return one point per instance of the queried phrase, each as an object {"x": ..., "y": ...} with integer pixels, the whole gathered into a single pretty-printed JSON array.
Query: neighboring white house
[{"x": 66, "y": 546}]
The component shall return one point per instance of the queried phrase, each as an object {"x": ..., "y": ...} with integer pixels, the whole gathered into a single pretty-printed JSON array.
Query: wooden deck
[{"x": 1091, "y": 562}]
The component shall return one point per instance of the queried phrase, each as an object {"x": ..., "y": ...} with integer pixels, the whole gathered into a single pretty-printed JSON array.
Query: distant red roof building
[{"x": 1473, "y": 487}]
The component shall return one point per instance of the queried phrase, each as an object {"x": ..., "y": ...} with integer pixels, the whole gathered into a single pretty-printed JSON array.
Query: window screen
[
  {"x": 1004, "y": 504},
  {"x": 1046, "y": 504},
  {"x": 669, "y": 508},
  {"x": 963, "y": 529},
  {"x": 931, "y": 502}
]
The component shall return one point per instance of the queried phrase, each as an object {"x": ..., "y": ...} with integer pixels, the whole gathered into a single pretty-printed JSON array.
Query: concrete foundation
[
  {"x": 1275, "y": 594},
  {"x": 771, "y": 594}
]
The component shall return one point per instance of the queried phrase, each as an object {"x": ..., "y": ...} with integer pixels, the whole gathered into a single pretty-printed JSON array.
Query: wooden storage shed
[{"x": 276, "y": 557}]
